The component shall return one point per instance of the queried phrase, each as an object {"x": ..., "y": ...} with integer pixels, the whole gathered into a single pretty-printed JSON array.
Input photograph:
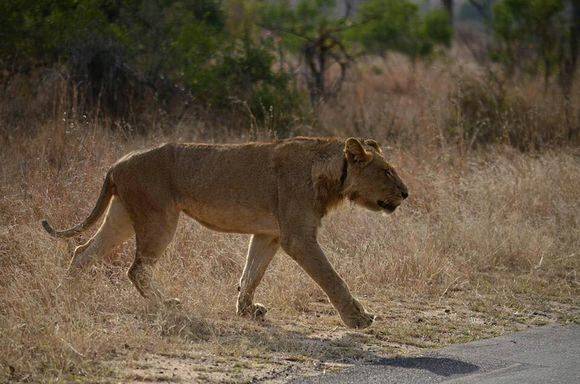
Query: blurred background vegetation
[{"x": 277, "y": 66}]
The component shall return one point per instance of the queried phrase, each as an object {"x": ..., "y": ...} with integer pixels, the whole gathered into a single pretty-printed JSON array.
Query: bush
[
  {"x": 241, "y": 81},
  {"x": 487, "y": 111},
  {"x": 532, "y": 35},
  {"x": 124, "y": 57},
  {"x": 397, "y": 25}
]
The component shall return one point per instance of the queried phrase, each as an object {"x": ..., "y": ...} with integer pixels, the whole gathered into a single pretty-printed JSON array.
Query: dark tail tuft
[{"x": 47, "y": 227}]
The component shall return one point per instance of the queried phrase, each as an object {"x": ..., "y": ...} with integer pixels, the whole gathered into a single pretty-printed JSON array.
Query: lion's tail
[{"x": 107, "y": 191}]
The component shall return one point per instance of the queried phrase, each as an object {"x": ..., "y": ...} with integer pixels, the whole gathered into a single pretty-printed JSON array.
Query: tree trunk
[
  {"x": 315, "y": 79},
  {"x": 448, "y": 5},
  {"x": 569, "y": 60}
]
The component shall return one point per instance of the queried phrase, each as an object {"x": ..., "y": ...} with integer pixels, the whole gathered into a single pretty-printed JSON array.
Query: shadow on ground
[
  {"x": 340, "y": 347},
  {"x": 441, "y": 366}
]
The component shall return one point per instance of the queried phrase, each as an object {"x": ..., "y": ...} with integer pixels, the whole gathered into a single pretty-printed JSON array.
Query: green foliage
[
  {"x": 314, "y": 31},
  {"x": 322, "y": 37},
  {"x": 220, "y": 53},
  {"x": 38, "y": 31},
  {"x": 397, "y": 25},
  {"x": 113, "y": 47},
  {"x": 242, "y": 77},
  {"x": 529, "y": 33},
  {"x": 306, "y": 20}
]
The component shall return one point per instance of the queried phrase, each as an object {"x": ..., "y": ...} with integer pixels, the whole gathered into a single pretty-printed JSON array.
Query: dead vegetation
[{"x": 488, "y": 242}]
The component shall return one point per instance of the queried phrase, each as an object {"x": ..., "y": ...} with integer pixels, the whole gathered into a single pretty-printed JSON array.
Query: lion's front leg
[
  {"x": 307, "y": 253},
  {"x": 260, "y": 253}
]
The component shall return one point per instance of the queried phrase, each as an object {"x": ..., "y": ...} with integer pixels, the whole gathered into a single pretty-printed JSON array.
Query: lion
[{"x": 276, "y": 191}]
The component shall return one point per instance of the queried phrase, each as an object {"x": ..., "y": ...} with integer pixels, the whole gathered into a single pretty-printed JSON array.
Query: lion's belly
[{"x": 237, "y": 220}]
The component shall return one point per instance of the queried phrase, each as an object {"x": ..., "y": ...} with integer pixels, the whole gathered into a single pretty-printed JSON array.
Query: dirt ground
[{"x": 283, "y": 347}]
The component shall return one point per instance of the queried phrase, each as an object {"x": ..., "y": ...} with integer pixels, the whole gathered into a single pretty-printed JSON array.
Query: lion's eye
[{"x": 388, "y": 173}]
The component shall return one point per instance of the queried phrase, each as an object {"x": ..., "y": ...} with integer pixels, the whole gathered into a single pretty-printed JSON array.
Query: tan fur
[{"x": 278, "y": 192}]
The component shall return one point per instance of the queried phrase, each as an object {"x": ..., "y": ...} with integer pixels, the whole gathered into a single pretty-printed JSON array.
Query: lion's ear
[
  {"x": 374, "y": 144},
  {"x": 355, "y": 152}
]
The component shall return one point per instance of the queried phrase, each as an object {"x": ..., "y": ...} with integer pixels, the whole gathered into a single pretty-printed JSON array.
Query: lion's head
[{"x": 371, "y": 182}]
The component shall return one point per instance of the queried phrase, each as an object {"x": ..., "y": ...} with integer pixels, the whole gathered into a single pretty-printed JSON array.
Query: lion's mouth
[{"x": 390, "y": 207}]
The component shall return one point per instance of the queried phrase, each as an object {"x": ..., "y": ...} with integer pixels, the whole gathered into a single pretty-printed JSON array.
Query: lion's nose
[{"x": 404, "y": 194}]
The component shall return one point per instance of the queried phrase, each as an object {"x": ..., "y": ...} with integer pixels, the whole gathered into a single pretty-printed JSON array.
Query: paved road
[{"x": 548, "y": 354}]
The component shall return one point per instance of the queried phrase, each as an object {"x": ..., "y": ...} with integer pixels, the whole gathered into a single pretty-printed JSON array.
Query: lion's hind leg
[
  {"x": 262, "y": 250},
  {"x": 153, "y": 234},
  {"x": 116, "y": 229}
]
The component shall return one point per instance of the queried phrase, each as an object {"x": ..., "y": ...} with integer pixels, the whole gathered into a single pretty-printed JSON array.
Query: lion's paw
[
  {"x": 254, "y": 311},
  {"x": 358, "y": 318},
  {"x": 173, "y": 303},
  {"x": 259, "y": 311}
]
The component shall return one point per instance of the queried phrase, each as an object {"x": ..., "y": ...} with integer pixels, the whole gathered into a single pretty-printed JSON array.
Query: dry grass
[
  {"x": 497, "y": 229},
  {"x": 451, "y": 102},
  {"x": 487, "y": 242}
]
